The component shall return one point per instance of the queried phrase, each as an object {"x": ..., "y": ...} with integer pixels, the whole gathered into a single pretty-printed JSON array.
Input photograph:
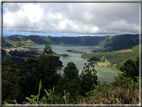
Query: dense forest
[
  {"x": 30, "y": 77},
  {"x": 19, "y": 57}
]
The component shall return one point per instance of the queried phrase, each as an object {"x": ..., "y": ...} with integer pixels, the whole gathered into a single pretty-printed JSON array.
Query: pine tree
[
  {"x": 46, "y": 69},
  {"x": 70, "y": 81}
]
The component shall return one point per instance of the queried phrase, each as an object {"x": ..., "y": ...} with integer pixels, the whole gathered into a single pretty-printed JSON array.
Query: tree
[
  {"x": 37, "y": 69},
  {"x": 88, "y": 77},
  {"x": 130, "y": 69},
  {"x": 70, "y": 81},
  {"x": 70, "y": 71},
  {"x": 46, "y": 69},
  {"x": 30, "y": 63},
  {"x": 3, "y": 53},
  {"x": 10, "y": 80},
  {"x": 29, "y": 78}
]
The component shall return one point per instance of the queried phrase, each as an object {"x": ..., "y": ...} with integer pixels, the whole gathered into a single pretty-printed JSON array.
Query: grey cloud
[
  {"x": 13, "y": 7},
  {"x": 101, "y": 14},
  {"x": 81, "y": 17}
]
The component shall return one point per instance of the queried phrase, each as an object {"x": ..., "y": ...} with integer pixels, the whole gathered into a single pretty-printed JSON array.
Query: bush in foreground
[{"x": 105, "y": 94}]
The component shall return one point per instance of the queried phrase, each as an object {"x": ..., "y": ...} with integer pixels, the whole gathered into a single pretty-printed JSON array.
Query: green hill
[
  {"x": 116, "y": 42},
  {"x": 17, "y": 41},
  {"x": 116, "y": 58}
]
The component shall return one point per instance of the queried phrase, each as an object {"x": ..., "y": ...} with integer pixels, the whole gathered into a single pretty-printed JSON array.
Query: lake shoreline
[{"x": 103, "y": 73}]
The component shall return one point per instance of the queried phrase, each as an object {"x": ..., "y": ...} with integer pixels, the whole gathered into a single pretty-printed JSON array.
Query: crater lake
[{"x": 105, "y": 74}]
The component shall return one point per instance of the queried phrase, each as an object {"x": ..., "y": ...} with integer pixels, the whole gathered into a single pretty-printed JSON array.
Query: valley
[
  {"x": 99, "y": 53},
  {"x": 107, "y": 55}
]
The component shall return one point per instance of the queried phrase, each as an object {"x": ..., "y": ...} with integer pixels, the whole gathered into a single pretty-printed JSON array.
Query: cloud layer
[{"x": 72, "y": 17}]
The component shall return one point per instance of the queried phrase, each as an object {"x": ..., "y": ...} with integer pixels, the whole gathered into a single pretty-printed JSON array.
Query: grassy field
[
  {"x": 98, "y": 47},
  {"x": 104, "y": 64},
  {"x": 125, "y": 50}
]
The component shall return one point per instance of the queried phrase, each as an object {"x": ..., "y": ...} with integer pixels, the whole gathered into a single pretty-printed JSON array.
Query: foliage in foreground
[
  {"x": 10, "y": 79},
  {"x": 121, "y": 91},
  {"x": 131, "y": 69}
]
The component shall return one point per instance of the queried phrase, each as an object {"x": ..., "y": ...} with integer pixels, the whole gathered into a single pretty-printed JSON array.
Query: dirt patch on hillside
[
  {"x": 125, "y": 50},
  {"x": 18, "y": 49}
]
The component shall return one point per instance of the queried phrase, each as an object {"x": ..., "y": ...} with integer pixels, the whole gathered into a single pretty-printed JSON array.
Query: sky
[{"x": 70, "y": 19}]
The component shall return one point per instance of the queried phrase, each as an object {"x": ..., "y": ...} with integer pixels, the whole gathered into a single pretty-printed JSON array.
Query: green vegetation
[
  {"x": 69, "y": 88},
  {"x": 115, "y": 58},
  {"x": 10, "y": 80},
  {"x": 60, "y": 55},
  {"x": 97, "y": 47},
  {"x": 70, "y": 81},
  {"x": 104, "y": 64},
  {"x": 89, "y": 78},
  {"x": 19, "y": 56},
  {"x": 123, "y": 90},
  {"x": 7, "y": 43},
  {"x": 116, "y": 42},
  {"x": 119, "y": 92},
  {"x": 34, "y": 80},
  {"x": 135, "y": 48},
  {"x": 23, "y": 53},
  {"x": 57, "y": 62},
  {"x": 131, "y": 69},
  {"x": 75, "y": 51}
]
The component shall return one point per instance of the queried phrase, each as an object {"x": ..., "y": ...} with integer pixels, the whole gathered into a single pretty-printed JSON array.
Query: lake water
[{"x": 103, "y": 73}]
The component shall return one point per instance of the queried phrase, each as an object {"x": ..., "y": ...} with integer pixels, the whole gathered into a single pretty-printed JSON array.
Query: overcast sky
[{"x": 89, "y": 18}]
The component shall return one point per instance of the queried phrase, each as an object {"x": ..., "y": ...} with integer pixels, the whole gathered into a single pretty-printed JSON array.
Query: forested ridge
[{"x": 116, "y": 42}]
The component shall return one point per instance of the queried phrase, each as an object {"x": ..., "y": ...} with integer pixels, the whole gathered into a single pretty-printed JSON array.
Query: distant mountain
[{"x": 115, "y": 42}]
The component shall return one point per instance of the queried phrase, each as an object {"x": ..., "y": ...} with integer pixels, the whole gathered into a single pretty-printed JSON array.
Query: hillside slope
[
  {"x": 116, "y": 42},
  {"x": 114, "y": 58}
]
